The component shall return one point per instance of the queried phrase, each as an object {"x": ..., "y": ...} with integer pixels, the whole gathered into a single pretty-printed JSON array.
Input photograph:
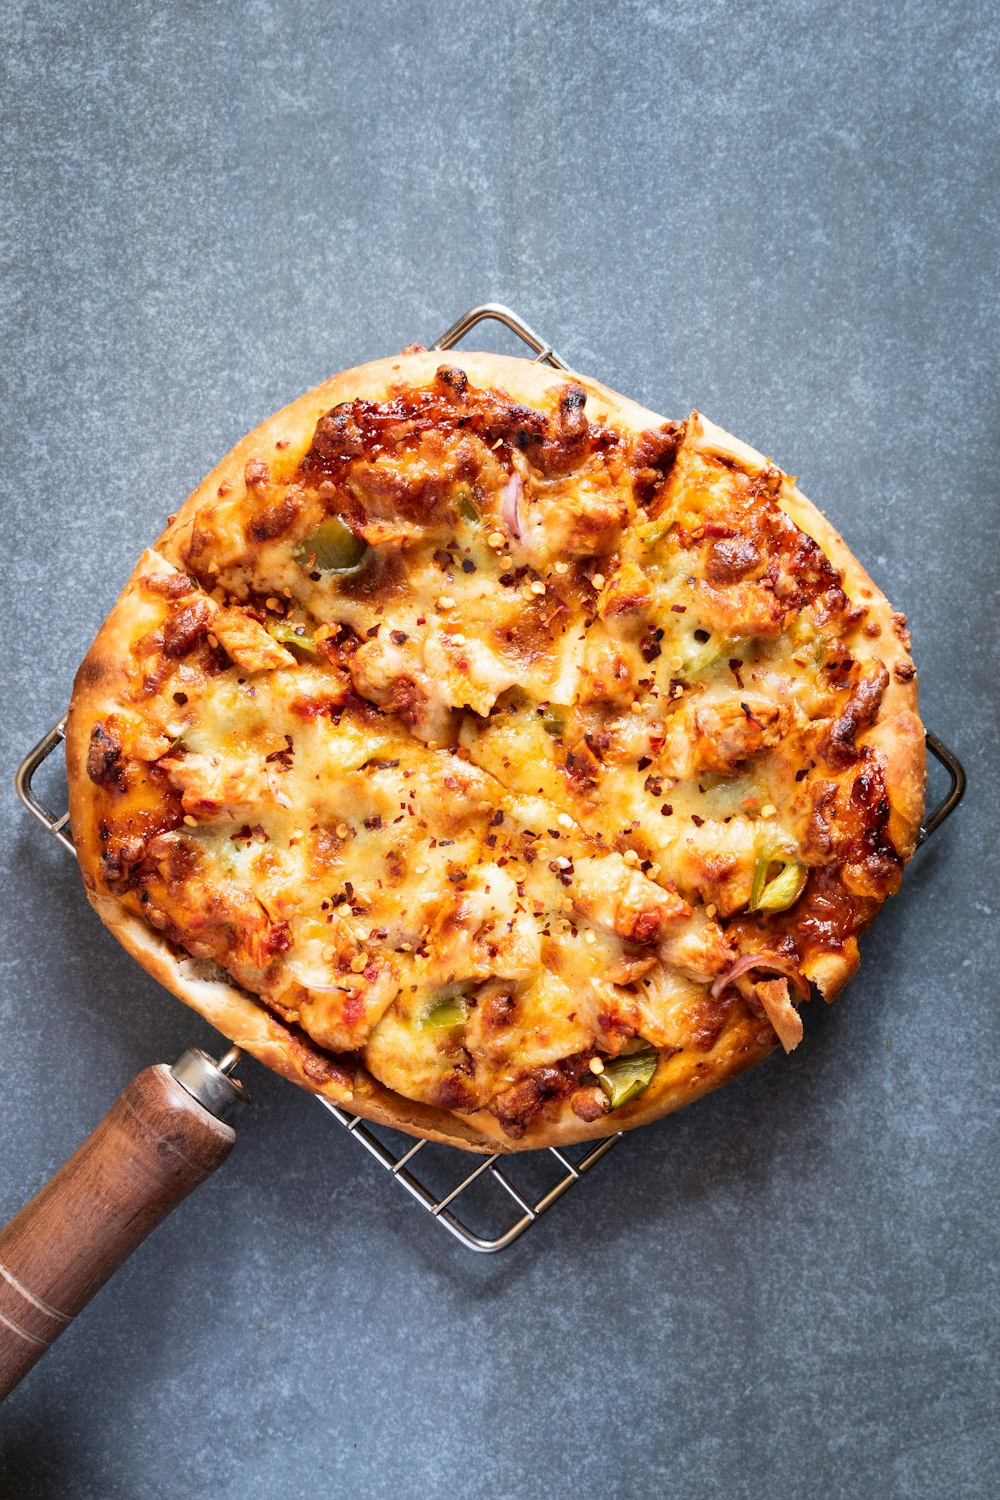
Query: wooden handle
[{"x": 153, "y": 1146}]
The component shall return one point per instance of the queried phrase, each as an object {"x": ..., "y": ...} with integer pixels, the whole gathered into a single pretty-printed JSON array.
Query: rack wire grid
[{"x": 498, "y": 1202}]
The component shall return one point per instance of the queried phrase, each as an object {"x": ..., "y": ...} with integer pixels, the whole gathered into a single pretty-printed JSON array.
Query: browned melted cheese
[{"x": 524, "y": 760}]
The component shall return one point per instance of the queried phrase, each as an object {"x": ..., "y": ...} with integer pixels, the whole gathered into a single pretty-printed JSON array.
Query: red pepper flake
[
  {"x": 283, "y": 757},
  {"x": 698, "y": 822},
  {"x": 398, "y": 637},
  {"x": 666, "y": 810},
  {"x": 679, "y": 609}
]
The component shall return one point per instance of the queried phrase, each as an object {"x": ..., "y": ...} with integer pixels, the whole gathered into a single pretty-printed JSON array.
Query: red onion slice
[
  {"x": 509, "y": 503},
  {"x": 769, "y": 965}
]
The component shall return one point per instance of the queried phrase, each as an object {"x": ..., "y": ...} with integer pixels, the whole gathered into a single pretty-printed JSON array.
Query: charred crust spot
[
  {"x": 319, "y": 1067},
  {"x": 496, "y": 1012},
  {"x": 119, "y": 856},
  {"x": 730, "y": 559},
  {"x": 657, "y": 448},
  {"x": 901, "y": 630},
  {"x": 572, "y": 418},
  {"x": 339, "y": 433},
  {"x": 904, "y": 671},
  {"x": 653, "y": 456},
  {"x": 272, "y": 522},
  {"x": 104, "y": 759},
  {"x": 452, "y": 378},
  {"x": 516, "y": 1107},
  {"x": 454, "y": 1092},
  {"x": 858, "y": 714},
  {"x": 169, "y": 585},
  {"x": 256, "y": 474},
  {"x": 707, "y": 1018},
  {"x": 186, "y": 629}
]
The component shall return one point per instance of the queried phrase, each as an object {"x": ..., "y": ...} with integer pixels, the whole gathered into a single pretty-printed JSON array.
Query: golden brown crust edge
[{"x": 281, "y": 441}]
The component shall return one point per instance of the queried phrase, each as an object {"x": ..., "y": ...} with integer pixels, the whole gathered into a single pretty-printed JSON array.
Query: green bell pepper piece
[
  {"x": 626, "y": 1076},
  {"x": 334, "y": 546},
  {"x": 783, "y": 890},
  {"x": 444, "y": 1014},
  {"x": 287, "y": 634}
]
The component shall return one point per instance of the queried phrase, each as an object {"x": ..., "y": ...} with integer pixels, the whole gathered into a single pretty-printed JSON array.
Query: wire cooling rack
[{"x": 498, "y": 1202}]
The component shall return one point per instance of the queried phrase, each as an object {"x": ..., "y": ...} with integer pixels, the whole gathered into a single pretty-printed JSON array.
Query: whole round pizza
[{"x": 494, "y": 757}]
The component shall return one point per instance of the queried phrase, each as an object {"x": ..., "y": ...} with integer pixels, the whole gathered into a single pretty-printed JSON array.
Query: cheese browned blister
[{"x": 495, "y": 757}]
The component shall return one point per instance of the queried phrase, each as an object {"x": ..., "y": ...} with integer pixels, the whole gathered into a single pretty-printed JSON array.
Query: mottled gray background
[{"x": 784, "y": 214}]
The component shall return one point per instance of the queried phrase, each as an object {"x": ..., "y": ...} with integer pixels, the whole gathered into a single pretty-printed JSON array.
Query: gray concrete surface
[{"x": 783, "y": 213}]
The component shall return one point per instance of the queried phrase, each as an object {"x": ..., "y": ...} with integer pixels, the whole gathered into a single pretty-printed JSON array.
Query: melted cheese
[{"x": 530, "y": 769}]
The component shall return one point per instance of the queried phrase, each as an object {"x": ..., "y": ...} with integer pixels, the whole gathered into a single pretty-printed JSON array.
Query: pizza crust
[{"x": 281, "y": 442}]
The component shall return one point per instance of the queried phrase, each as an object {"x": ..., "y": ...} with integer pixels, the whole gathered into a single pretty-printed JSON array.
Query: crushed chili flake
[{"x": 282, "y": 757}]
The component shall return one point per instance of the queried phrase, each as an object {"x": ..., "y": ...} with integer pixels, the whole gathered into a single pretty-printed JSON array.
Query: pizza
[{"x": 493, "y": 757}]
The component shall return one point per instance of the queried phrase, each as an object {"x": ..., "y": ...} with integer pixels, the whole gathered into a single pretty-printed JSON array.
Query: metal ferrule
[{"x": 204, "y": 1080}]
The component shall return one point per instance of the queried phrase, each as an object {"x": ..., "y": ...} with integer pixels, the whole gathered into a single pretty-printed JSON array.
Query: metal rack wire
[{"x": 499, "y": 1202}]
